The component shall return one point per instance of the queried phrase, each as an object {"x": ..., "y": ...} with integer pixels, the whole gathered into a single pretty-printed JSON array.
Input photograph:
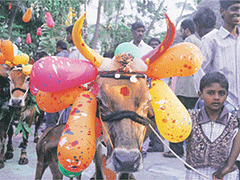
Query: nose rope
[
  {"x": 105, "y": 131},
  {"x": 176, "y": 154},
  {"x": 124, "y": 114}
]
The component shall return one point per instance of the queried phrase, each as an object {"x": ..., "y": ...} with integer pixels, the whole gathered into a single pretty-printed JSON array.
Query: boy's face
[
  {"x": 154, "y": 44},
  {"x": 232, "y": 15},
  {"x": 213, "y": 96}
]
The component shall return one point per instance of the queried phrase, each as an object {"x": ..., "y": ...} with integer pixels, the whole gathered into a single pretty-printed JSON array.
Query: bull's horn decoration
[
  {"x": 162, "y": 48},
  {"x": 86, "y": 51}
]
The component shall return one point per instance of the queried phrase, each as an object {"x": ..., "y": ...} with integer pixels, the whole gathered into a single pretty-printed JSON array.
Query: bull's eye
[{"x": 28, "y": 79}]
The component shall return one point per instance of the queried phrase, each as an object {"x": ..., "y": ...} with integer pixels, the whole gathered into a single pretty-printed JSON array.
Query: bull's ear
[
  {"x": 162, "y": 48},
  {"x": 85, "y": 50}
]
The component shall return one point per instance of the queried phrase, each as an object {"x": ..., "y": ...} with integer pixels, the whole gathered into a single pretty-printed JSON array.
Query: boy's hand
[{"x": 218, "y": 175}]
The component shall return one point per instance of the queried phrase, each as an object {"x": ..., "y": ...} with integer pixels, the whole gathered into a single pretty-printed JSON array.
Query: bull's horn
[
  {"x": 84, "y": 49},
  {"x": 168, "y": 40}
]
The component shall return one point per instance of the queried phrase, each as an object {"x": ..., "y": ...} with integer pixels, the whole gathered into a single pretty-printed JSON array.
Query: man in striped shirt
[{"x": 221, "y": 51}]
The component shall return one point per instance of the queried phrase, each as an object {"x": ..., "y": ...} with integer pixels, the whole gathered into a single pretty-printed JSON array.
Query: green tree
[{"x": 12, "y": 25}]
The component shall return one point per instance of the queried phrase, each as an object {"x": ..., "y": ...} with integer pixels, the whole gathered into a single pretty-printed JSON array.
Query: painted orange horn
[
  {"x": 162, "y": 48},
  {"x": 85, "y": 50}
]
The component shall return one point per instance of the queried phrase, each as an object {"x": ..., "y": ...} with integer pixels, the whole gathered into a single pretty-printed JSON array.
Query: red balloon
[
  {"x": 50, "y": 22},
  {"x": 39, "y": 31},
  {"x": 28, "y": 39},
  {"x": 54, "y": 73}
]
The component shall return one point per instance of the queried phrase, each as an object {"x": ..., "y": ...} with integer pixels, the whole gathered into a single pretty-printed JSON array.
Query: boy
[{"x": 213, "y": 129}]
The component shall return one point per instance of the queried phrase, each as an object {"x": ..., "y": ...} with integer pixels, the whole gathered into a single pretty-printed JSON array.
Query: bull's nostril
[
  {"x": 125, "y": 161},
  {"x": 16, "y": 102}
]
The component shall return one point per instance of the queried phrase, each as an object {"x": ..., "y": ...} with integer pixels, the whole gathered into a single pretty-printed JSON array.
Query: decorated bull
[
  {"x": 19, "y": 108},
  {"x": 125, "y": 108}
]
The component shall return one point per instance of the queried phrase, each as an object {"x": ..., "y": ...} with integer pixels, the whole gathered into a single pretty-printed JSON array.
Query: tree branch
[{"x": 12, "y": 17}]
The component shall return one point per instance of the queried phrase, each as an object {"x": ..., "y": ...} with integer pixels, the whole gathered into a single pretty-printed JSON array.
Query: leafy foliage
[
  {"x": 47, "y": 41},
  {"x": 115, "y": 30}
]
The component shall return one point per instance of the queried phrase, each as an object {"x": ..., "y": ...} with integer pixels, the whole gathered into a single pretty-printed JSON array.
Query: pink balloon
[
  {"x": 33, "y": 89},
  {"x": 53, "y": 73}
]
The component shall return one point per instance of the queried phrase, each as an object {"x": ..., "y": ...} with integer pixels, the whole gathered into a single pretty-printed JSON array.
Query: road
[{"x": 155, "y": 166}]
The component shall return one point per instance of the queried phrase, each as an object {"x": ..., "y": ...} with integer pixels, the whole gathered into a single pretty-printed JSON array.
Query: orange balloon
[
  {"x": 2, "y": 61},
  {"x": 27, "y": 16},
  {"x": 183, "y": 59},
  {"x": 77, "y": 145},
  {"x": 7, "y": 50},
  {"x": 56, "y": 101}
]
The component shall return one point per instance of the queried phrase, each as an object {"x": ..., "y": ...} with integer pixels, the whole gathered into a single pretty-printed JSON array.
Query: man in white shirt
[
  {"x": 138, "y": 30},
  {"x": 73, "y": 51}
]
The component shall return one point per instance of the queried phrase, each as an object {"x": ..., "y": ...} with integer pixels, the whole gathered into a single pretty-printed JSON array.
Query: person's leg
[
  {"x": 51, "y": 119},
  {"x": 145, "y": 147},
  {"x": 177, "y": 148},
  {"x": 156, "y": 144}
]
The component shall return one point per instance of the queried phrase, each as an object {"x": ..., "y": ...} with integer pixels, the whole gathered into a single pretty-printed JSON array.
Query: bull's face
[
  {"x": 19, "y": 86},
  {"x": 118, "y": 98}
]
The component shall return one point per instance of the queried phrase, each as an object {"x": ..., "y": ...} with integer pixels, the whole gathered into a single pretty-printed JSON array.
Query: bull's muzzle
[
  {"x": 16, "y": 102},
  {"x": 126, "y": 161}
]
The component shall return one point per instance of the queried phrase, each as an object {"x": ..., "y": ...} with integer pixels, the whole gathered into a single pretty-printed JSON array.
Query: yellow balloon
[
  {"x": 9, "y": 63},
  {"x": 183, "y": 59},
  {"x": 172, "y": 118},
  {"x": 21, "y": 59},
  {"x": 27, "y": 69}
]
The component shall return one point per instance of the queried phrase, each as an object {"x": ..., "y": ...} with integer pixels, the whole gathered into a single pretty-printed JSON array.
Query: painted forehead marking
[{"x": 124, "y": 91}]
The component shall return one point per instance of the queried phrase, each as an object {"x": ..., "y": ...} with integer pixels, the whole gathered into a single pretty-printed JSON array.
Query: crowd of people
[{"x": 210, "y": 95}]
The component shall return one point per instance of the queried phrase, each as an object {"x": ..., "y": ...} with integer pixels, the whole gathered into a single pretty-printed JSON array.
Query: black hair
[
  {"x": 226, "y": 3},
  {"x": 69, "y": 29},
  {"x": 213, "y": 77},
  {"x": 205, "y": 18},
  {"x": 62, "y": 45},
  {"x": 188, "y": 23},
  {"x": 153, "y": 39},
  {"x": 41, "y": 54},
  {"x": 108, "y": 54},
  {"x": 137, "y": 25}
]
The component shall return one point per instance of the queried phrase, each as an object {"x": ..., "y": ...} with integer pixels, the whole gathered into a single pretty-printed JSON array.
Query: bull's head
[
  {"x": 19, "y": 86},
  {"x": 125, "y": 105}
]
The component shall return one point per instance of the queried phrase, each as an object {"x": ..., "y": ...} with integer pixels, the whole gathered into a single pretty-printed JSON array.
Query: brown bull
[
  {"x": 124, "y": 107},
  {"x": 22, "y": 112}
]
